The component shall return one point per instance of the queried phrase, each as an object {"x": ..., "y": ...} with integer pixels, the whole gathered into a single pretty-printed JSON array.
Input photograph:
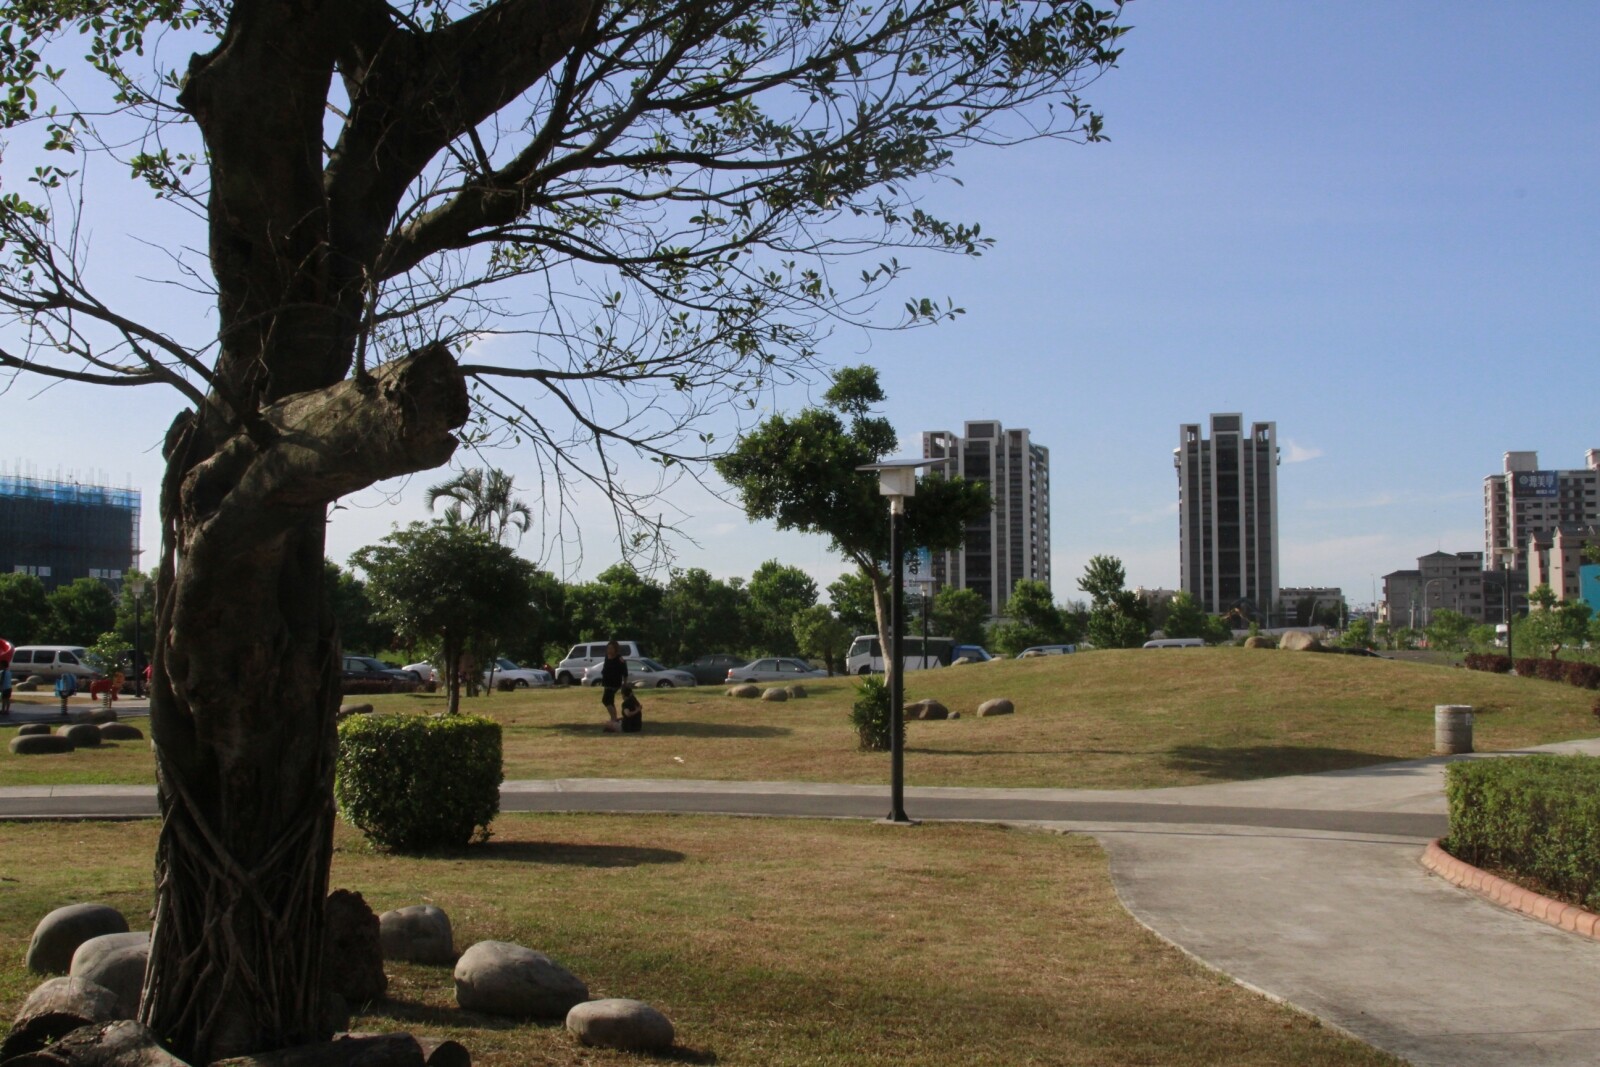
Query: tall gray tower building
[
  {"x": 1013, "y": 541},
  {"x": 1228, "y": 514}
]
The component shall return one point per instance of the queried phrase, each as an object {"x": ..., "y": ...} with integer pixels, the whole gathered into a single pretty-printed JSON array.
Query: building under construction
[{"x": 63, "y": 531}]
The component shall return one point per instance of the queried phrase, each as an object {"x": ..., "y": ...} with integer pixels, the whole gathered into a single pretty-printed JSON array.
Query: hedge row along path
[{"x": 1307, "y": 889}]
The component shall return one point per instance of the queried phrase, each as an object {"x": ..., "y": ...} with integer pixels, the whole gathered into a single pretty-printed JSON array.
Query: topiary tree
[{"x": 412, "y": 782}]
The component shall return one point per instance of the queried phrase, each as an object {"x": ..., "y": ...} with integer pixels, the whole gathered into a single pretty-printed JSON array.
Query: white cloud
[{"x": 1294, "y": 452}]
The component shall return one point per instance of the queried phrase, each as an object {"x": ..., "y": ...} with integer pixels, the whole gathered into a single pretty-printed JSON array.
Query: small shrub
[
  {"x": 412, "y": 782},
  {"x": 1583, "y": 675},
  {"x": 1492, "y": 662},
  {"x": 870, "y": 713},
  {"x": 1527, "y": 667},
  {"x": 1537, "y": 816},
  {"x": 1552, "y": 670}
]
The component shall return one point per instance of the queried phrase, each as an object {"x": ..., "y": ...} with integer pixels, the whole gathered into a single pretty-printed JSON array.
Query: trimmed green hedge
[
  {"x": 1535, "y": 815},
  {"x": 412, "y": 782}
]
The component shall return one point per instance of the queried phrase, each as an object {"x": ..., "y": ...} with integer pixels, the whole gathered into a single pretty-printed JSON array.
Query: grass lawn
[
  {"x": 1114, "y": 719},
  {"x": 782, "y": 942}
]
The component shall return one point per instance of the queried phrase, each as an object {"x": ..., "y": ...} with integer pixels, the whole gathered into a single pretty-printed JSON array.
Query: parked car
[
  {"x": 1046, "y": 650},
  {"x": 423, "y": 671},
  {"x": 503, "y": 670},
  {"x": 51, "y": 661},
  {"x": 644, "y": 674},
  {"x": 570, "y": 670},
  {"x": 367, "y": 669},
  {"x": 775, "y": 669},
  {"x": 712, "y": 668},
  {"x": 971, "y": 653}
]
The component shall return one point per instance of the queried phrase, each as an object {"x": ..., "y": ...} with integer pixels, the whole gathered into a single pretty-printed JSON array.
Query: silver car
[
  {"x": 506, "y": 672},
  {"x": 775, "y": 669},
  {"x": 643, "y": 674}
]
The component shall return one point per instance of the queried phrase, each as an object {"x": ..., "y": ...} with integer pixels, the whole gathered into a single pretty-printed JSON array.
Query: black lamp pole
[{"x": 896, "y": 665}]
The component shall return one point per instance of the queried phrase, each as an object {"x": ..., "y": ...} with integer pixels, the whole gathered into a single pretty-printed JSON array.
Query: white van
[
  {"x": 51, "y": 662},
  {"x": 1175, "y": 642},
  {"x": 866, "y": 654},
  {"x": 570, "y": 670}
]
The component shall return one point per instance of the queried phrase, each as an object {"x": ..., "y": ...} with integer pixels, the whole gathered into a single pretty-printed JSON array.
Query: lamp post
[
  {"x": 897, "y": 480},
  {"x": 1508, "y": 563},
  {"x": 136, "y": 587},
  {"x": 1427, "y": 609}
]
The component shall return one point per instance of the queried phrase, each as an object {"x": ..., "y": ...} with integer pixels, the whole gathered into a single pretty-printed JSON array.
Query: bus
[{"x": 866, "y": 654}]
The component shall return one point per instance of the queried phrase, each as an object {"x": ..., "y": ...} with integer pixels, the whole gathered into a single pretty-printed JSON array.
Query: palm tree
[{"x": 483, "y": 499}]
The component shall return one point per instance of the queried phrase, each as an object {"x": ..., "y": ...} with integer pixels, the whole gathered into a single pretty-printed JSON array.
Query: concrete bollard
[{"x": 1452, "y": 729}]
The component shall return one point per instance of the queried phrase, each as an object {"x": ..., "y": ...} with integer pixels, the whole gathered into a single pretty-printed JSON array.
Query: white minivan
[
  {"x": 570, "y": 670},
  {"x": 1175, "y": 642},
  {"x": 51, "y": 662}
]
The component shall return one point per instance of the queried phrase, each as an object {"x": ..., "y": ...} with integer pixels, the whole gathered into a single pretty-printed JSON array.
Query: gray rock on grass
[
  {"x": 997, "y": 706},
  {"x": 747, "y": 692},
  {"x": 501, "y": 978},
  {"x": 40, "y": 744},
  {"x": 116, "y": 961},
  {"x": 119, "y": 731},
  {"x": 81, "y": 734},
  {"x": 776, "y": 694},
  {"x": 796, "y": 692},
  {"x": 927, "y": 708},
  {"x": 630, "y": 1025},
  {"x": 56, "y": 1008},
  {"x": 29, "y": 728},
  {"x": 419, "y": 933},
  {"x": 58, "y": 935}
]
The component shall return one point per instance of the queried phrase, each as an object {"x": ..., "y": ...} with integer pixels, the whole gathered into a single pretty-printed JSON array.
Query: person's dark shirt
[{"x": 613, "y": 672}]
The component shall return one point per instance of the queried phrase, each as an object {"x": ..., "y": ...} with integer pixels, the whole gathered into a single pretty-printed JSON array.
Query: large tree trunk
[{"x": 244, "y": 696}]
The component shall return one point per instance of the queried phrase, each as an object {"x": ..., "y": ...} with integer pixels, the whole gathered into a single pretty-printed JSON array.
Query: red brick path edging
[{"x": 1509, "y": 894}]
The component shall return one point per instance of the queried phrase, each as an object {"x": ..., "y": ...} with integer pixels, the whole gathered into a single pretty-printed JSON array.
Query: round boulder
[
  {"x": 59, "y": 934},
  {"x": 54, "y": 1010},
  {"x": 1257, "y": 641},
  {"x": 927, "y": 708},
  {"x": 776, "y": 694},
  {"x": 29, "y": 728},
  {"x": 631, "y": 1025},
  {"x": 1299, "y": 641},
  {"x": 748, "y": 692},
  {"x": 116, "y": 961},
  {"x": 120, "y": 731},
  {"x": 37, "y": 744},
  {"x": 419, "y": 933},
  {"x": 997, "y": 706},
  {"x": 500, "y": 978},
  {"x": 102, "y": 713},
  {"x": 796, "y": 692},
  {"x": 81, "y": 734},
  {"x": 347, "y": 710}
]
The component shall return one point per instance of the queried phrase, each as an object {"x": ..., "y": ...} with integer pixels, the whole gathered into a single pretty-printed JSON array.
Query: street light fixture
[
  {"x": 136, "y": 587},
  {"x": 1508, "y": 563},
  {"x": 897, "y": 480}
]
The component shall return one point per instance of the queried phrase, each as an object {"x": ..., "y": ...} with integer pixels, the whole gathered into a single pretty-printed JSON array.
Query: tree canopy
[{"x": 802, "y": 473}]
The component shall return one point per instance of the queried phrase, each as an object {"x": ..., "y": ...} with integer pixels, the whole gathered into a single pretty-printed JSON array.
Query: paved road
[{"x": 1307, "y": 889}]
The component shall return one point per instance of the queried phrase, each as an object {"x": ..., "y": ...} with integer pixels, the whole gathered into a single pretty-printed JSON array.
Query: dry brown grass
[
  {"x": 771, "y": 943},
  {"x": 1129, "y": 719}
]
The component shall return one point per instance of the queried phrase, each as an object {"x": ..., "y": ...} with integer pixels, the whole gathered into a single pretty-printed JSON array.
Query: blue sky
[{"x": 1376, "y": 224}]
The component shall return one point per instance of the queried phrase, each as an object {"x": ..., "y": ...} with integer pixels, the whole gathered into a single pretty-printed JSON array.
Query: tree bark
[{"x": 245, "y": 695}]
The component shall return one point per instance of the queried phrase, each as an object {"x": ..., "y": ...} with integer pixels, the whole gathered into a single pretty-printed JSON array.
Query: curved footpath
[{"x": 1308, "y": 889}]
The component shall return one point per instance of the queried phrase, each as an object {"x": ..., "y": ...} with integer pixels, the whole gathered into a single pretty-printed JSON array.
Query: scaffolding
[{"x": 60, "y": 531}]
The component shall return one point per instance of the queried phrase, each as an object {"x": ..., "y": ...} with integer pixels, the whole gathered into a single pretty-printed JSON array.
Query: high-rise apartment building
[
  {"x": 1013, "y": 541},
  {"x": 1524, "y": 502},
  {"x": 1228, "y": 514}
]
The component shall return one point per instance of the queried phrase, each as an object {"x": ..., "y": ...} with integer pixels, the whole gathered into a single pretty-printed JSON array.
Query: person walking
[
  {"x": 5, "y": 688},
  {"x": 613, "y": 676}
]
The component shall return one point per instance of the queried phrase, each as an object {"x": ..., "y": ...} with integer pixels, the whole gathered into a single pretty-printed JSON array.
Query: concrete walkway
[{"x": 1308, "y": 889}]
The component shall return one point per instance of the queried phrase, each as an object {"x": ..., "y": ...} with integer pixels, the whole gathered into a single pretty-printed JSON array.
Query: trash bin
[{"x": 1452, "y": 729}]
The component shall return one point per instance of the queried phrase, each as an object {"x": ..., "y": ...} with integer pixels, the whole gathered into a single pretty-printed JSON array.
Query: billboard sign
[
  {"x": 1589, "y": 585},
  {"x": 1535, "y": 484}
]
